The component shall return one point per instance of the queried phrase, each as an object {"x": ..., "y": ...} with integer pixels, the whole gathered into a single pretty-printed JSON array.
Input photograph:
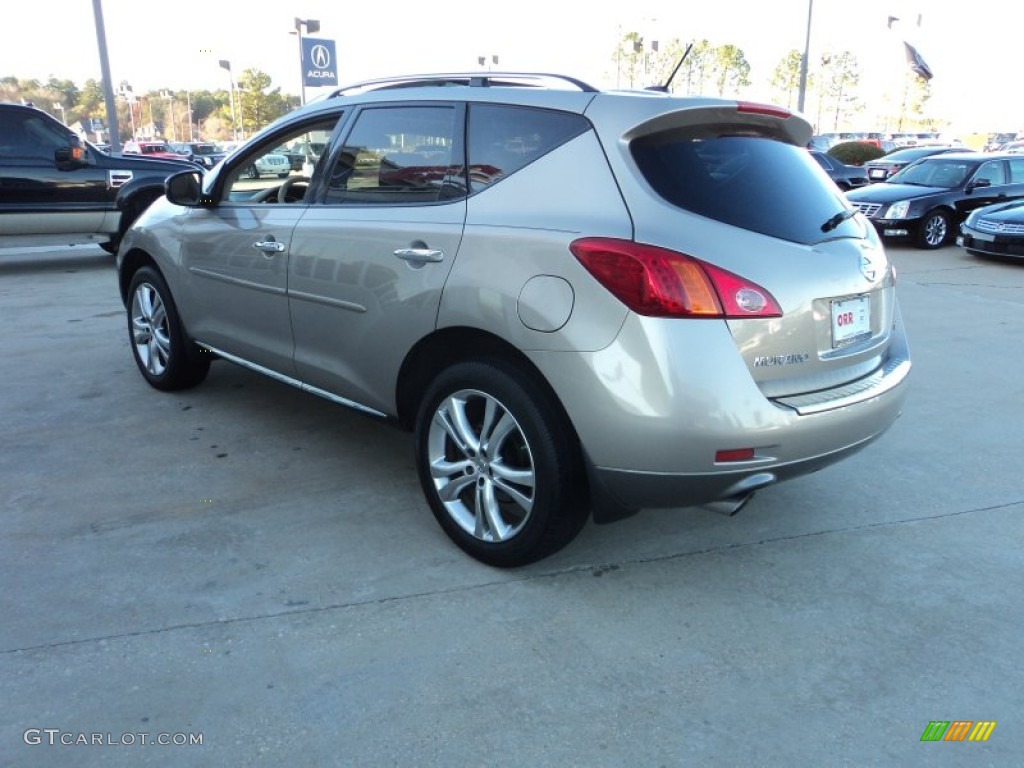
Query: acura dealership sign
[{"x": 318, "y": 62}]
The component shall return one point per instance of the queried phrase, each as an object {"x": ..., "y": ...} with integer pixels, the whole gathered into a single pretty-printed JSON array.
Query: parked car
[
  {"x": 928, "y": 199},
  {"x": 152, "y": 149},
  {"x": 204, "y": 153},
  {"x": 56, "y": 189},
  {"x": 296, "y": 158},
  {"x": 578, "y": 301},
  {"x": 884, "y": 167},
  {"x": 996, "y": 140},
  {"x": 995, "y": 230},
  {"x": 270, "y": 163},
  {"x": 845, "y": 176},
  {"x": 822, "y": 143}
]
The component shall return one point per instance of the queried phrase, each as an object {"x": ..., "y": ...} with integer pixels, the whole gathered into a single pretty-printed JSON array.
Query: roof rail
[{"x": 471, "y": 79}]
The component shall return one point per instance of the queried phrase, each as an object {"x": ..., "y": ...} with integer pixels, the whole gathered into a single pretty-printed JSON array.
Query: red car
[{"x": 155, "y": 149}]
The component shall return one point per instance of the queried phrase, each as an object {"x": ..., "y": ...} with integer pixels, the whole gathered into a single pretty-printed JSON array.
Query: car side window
[
  {"x": 992, "y": 172},
  {"x": 278, "y": 170},
  {"x": 1016, "y": 170},
  {"x": 27, "y": 135},
  {"x": 503, "y": 139},
  {"x": 398, "y": 155}
]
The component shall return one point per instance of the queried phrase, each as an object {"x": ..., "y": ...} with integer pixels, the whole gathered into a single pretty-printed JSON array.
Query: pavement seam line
[{"x": 582, "y": 568}]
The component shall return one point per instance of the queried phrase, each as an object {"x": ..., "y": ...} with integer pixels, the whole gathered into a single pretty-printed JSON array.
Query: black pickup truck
[{"x": 56, "y": 189}]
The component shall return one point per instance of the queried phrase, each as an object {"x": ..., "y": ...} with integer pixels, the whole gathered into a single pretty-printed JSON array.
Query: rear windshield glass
[{"x": 752, "y": 182}]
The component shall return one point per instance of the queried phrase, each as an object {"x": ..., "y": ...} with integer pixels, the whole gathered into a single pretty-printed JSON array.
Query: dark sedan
[
  {"x": 928, "y": 199},
  {"x": 845, "y": 176},
  {"x": 884, "y": 167},
  {"x": 202, "y": 153},
  {"x": 995, "y": 230}
]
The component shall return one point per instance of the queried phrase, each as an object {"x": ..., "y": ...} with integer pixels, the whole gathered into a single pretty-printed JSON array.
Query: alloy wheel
[
  {"x": 481, "y": 466},
  {"x": 150, "y": 329}
]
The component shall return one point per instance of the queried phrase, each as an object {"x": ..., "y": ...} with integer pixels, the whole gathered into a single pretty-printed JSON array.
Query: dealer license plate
[
  {"x": 877, "y": 173},
  {"x": 851, "y": 321}
]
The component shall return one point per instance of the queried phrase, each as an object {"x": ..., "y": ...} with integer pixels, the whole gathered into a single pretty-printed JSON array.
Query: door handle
[
  {"x": 420, "y": 255},
  {"x": 269, "y": 247}
]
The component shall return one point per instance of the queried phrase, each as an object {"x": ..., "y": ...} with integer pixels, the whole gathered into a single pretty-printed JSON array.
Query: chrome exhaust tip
[
  {"x": 742, "y": 492},
  {"x": 729, "y": 506}
]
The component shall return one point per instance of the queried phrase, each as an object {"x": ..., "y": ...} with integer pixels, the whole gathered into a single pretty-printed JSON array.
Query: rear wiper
[{"x": 838, "y": 219}]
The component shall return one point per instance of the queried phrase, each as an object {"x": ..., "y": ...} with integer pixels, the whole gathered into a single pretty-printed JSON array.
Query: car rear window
[{"x": 753, "y": 182}]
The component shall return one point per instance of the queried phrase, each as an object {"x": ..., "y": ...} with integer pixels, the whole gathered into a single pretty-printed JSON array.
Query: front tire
[
  {"x": 933, "y": 231},
  {"x": 166, "y": 359},
  {"x": 499, "y": 464}
]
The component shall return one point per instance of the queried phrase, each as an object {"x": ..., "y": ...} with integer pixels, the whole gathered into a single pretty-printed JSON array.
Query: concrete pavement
[{"x": 254, "y": 567}]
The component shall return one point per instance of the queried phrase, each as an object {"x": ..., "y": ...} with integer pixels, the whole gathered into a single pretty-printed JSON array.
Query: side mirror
[
  {"x": 185, "y": 188},
  {"x": 72, "y": 156},
  {"x": 977, "y": 184}
]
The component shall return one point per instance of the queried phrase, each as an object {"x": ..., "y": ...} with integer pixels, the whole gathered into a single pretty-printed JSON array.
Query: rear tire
[
  {"x": 165, "y": 357},
  {"x": 499, "y": 464},
  {"x": 934, "y": 230}
]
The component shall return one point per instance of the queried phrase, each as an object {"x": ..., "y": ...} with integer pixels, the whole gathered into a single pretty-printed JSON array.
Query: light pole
[
  {"x": 803, "y": 61},
  {"x": 114, "y": 132},
  {"x": 312, "y": 27},
  {"x": 225, "y": 64},
  {"x": 170, "y": 102},
  {"x": 63, "y": 112}
]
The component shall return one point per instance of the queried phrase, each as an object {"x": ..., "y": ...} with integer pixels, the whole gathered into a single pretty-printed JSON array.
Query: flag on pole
[{"x": 916, "y": 62}]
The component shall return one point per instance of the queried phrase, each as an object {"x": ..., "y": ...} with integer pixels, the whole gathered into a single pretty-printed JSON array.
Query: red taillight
[
  {"x": 753, "y": 108},
  {"x": 657, "y": 282}
]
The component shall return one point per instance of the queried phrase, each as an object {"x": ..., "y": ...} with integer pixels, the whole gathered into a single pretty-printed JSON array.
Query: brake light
[
  {"x": 658, "y": 282},
  {"x": 753, "y": 108}
]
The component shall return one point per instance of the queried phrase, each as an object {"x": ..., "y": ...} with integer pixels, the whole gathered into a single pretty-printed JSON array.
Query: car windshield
[
  {"x": 755, "y": 183},
  {"x": 204, "y": 149},
  {"x": 934, "y": 173}
]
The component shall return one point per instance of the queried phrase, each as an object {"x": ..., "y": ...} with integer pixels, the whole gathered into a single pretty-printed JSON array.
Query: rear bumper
[
  {"x": 632, "y": 489},
  {"x": 652, "y": 429}
]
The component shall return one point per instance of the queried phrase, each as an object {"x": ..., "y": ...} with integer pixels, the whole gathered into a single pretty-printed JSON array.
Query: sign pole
[{"x": 302, "y": 65}]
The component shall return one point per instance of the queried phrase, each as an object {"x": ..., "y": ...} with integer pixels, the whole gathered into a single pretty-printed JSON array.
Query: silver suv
[{"x": 580, "y": 302}]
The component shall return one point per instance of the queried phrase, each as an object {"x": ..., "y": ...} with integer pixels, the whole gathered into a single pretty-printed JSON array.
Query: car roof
[
  {"x": 975, "y": 157},
  {"x": 620, "y": 112}
]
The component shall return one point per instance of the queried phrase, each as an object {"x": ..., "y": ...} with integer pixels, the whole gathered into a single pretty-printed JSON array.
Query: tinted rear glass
[
  {"x": 756, "y": 183},
  {"x": 503, "y": 138}
]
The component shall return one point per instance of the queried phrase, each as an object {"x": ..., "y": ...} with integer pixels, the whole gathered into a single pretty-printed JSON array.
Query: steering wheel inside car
[
  {"x": 285, "y": 188},
  {"x": 281, "y": 192}
]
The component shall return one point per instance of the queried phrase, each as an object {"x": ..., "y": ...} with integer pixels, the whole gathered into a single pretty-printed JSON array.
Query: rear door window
[
  {"x": 1016, "y": 170},
  {"x": 753, "y": 182},
  {"x": 407, "y": 154},
  {"x": 505, "y": 138}
]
